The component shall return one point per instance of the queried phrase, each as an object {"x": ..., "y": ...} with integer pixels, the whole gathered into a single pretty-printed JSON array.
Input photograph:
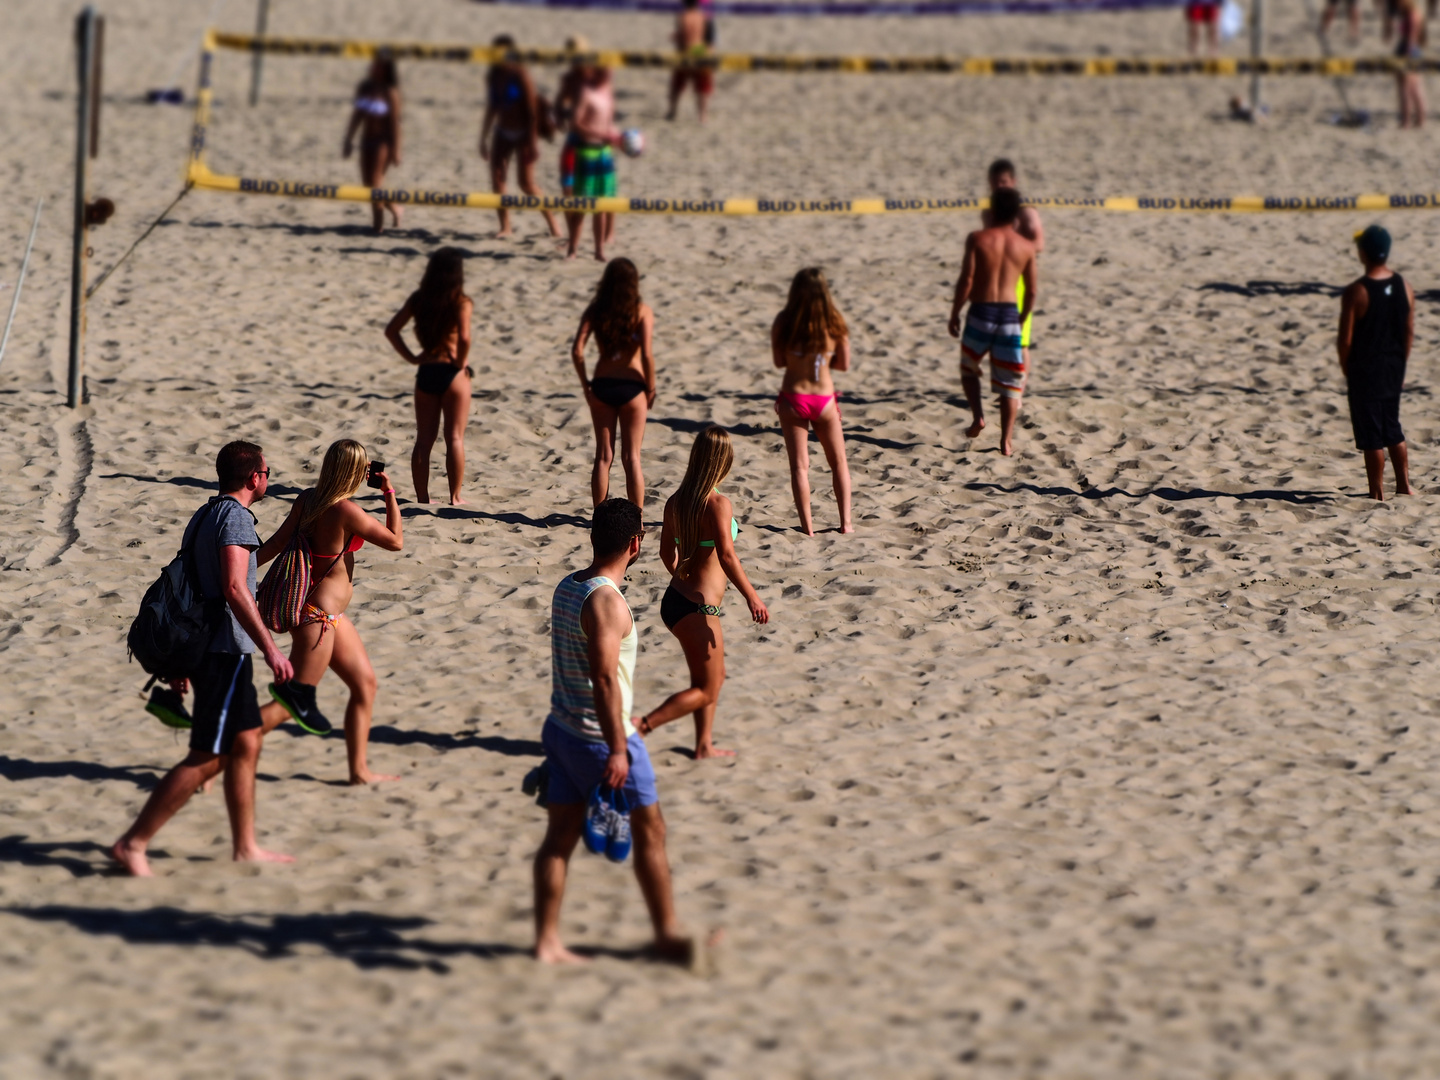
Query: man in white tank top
[{"x": 590, "y": 739}]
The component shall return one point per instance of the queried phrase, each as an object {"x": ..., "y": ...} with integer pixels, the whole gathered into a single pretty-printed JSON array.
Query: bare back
[
  {"x": 690, "y": 31},
  {"x": 995, "y": 259}
]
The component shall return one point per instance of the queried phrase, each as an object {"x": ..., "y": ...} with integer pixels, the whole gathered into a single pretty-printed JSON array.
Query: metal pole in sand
[
  {"x": 20, "y": 282},
  {"x": 1257, "y": 50},
  {"x": 257, "y": 62},
  {"x": 85, "y": 35}
]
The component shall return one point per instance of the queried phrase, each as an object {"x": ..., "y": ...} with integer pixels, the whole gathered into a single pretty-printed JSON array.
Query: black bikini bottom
[
  {"x": 616, "y": 392},
  {"x": 436, "y": 378},
  {"x": 675, "y": 605}
]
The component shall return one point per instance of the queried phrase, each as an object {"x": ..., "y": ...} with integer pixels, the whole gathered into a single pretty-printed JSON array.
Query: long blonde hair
[
  {"x": 710, "y": 461},
  {"x": 341, "y": 475},
  {"x": 810, "y": 318}
]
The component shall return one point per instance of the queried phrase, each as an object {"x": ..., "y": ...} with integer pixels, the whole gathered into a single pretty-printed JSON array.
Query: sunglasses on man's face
[{"x": 265, "y": 472}]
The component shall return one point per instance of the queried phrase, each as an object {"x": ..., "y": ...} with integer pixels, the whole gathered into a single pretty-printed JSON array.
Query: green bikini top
[{"x": 734, "y": 532}]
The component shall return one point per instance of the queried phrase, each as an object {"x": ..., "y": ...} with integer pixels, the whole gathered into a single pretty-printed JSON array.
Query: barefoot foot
[
  {"x": 456, "y": 500},
  {"x": 975, "y": 429},
  {"x": 703, "y": 752},
  {"x": 552, "y": 952},
  {"x": 367, "y": 777},
  {"x": 1007, "y": 448},
  {"x": 131, "y": 857},
  {"x": 258, "y": 854}
]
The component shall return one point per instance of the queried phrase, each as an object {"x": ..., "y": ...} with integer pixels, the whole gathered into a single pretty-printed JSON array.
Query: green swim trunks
[{"x": 594, "y": 172}]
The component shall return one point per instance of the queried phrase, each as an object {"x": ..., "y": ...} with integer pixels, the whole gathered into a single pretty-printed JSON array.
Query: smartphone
[{"x": 376, "y": 468}]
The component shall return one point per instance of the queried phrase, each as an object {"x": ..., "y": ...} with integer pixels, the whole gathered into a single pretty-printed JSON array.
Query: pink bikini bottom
[{"x": 807, "y": 406}]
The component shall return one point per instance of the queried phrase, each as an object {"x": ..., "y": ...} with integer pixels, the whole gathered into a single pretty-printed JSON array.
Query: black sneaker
[
  {"x": 299, "y": 702},
  {"x": 168, "y": 706},
  {"x": 537, "y": 783}
]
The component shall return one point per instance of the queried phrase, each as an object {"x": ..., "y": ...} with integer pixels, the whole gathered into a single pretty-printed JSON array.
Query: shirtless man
[
  {"x": 996, "y": 259},
  {"x": 590, "y": 738},
  {"x": 512, "y": 113},
  {"x": 587, "y": 163},
  {"x": 1002, "y": 175},
  {"x": 694, "y": 33}
]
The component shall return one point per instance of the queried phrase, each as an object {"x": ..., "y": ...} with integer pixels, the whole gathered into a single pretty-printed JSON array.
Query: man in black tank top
[{"x": 1377, "y": 328}]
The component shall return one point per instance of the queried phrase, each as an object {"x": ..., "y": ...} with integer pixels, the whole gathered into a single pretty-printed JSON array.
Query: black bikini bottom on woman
[
  {"x": 436, "y": 378},
  {"x": 616, "y": 392},
  {"x": 675, "y": 605}
]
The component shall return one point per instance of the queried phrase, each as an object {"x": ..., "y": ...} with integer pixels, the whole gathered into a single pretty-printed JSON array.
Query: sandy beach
[{"x": 1105, "y": 760}]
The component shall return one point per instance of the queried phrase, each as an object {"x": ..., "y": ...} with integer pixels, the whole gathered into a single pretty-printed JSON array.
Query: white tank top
[{"x": 572, "y": 694}]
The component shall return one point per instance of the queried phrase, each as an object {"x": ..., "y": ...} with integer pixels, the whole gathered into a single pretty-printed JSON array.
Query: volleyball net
[{"x": 198, "y": 175}]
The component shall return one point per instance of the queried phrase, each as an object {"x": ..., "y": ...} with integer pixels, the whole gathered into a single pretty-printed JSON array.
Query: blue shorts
[{"x": 576, "y": 766}]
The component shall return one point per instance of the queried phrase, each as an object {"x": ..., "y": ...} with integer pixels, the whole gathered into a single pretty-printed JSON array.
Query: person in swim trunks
[
  {"x": 808, "y": 340},
  {"x": 1001, "y": 174},
  {"x": 335, "y": 527},
  {"x": 511, "y": 128},
  {"x": 996, "y": 258},
  {"x": 1352, "y": 14},
  {"x": 1202, "y": 13},
  {"x": 694, "y": 36},
  {"x": 590, "y": 739},
  {"x": 622, "y": 390},
  {"x": 442, "y": 313},
  {"x": 587, "y": 163},
  {"x": 1377, "y": 331},
  {"x": 376, "y": 117},
  {"x": 697, "y": 546}
]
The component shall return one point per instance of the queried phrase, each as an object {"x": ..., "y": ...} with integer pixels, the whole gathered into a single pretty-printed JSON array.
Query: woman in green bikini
[{"x": 697, "y": 545}]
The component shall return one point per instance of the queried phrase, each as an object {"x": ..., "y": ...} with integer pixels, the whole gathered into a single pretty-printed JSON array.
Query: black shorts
[
  {"x": 1376, "y": 423},
  {"x": 436, "y": 378},
  {"x": 225, "y": 701}
]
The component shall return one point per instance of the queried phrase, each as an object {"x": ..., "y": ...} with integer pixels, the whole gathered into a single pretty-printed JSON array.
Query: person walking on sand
[
  {"x": 587, "y": 163},
  {"x": 809, "y": 340},
  {"x": 622, "y": 390},
  {"x": 442, "y": 312},
  {"x": 226, "y": 727},
  {"x": 334, "y": 528},
  {"x": 694, "y": 36},
  {"x": 697, "y": 546},
  {"x": 514, "y": 116},
  {"x": 1408, "y": 49},
  {"x": 589, "y": 738},
  {"x": 1001, "y": 174},
  {"x": 996, "y": 258},
  {"x": 1377, "y": 330},
  {"x": 376, "y": 117},
  {"x": 1202, "y": 14}
]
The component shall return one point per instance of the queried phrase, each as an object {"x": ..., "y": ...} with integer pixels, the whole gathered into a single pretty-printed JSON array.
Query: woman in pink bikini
[
  {"x": 809, "y": 339},
  {"x": 335, "y": 528}
]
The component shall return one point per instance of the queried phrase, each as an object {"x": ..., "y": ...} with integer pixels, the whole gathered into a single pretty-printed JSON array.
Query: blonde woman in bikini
[
  {"x": 335, "y": 528},
  {"x": 376, "y": 118},
  {"x": 622, "y": 390},
  {"x": 809, "y": 340},
  {"x": 697, "y": 546}
]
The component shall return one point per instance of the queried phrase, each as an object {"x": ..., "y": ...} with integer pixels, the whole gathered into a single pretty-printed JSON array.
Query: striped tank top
[{"x": 572, "y": 695}]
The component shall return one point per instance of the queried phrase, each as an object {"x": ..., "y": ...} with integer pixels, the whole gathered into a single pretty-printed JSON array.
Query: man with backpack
[{"x": 227, "y": 726}]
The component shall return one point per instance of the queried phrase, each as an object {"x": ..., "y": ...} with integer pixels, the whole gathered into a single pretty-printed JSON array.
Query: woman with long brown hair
[
  {"x": 335, "y": 528},
  {"x": 697, "y": 545},
  {"x": 442, "y": 312},
  {"x": 808, "y": 340},
  {"x": 376, "y": 117},
  {"x": 622, "y": 390}
]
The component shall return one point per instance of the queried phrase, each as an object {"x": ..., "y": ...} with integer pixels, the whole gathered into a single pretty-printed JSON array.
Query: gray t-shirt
[{"x": 228, "y": 524}]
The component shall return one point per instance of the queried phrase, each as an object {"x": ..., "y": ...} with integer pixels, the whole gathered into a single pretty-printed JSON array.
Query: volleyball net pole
[{"x": 257, "y": 62}]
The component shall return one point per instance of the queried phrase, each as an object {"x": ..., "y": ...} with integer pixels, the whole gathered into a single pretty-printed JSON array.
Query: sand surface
[{"x": 1107, "y": 760}]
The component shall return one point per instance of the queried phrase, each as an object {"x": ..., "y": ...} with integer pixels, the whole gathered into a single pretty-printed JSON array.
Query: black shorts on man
[{"x": 225, "y": 701}]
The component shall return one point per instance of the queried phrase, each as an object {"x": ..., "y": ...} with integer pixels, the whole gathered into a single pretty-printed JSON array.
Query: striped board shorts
[{"x": 995, "y": 329}]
